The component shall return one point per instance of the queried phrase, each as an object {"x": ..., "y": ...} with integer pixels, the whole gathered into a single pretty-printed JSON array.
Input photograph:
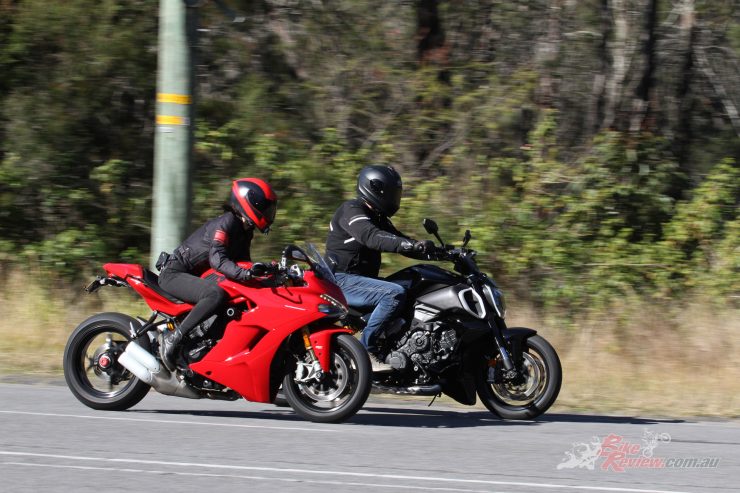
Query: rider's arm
[
  {"x": 218, "y": 257},
  {"x": 413, "y": 253},
  {"x": 362, "y": 230}
]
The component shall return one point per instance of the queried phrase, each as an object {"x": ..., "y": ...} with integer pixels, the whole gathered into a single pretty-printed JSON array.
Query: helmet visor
[
  {"x": 263, "y": 207},
  {"x": 392, "y": 201}
]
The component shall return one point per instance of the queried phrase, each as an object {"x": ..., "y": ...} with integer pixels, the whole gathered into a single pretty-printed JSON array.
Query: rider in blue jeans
[{"x": 359, "y": 231}]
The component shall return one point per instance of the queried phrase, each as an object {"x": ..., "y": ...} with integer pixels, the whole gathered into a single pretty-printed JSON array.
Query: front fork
[
  {"x": 311, "y": 370},
  {"x": 497, "y": 326}
]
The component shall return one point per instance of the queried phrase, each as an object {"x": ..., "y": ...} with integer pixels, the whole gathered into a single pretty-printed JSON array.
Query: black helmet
[{"x": 380, "y": 187}]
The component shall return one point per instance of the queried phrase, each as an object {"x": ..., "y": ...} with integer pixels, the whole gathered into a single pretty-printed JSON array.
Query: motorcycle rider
[
  {"x": 359, "y": 231},
  {"x": 218, "y": 244}
]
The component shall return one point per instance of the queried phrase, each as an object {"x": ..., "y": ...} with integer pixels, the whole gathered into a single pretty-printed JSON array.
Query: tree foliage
[{"x": 591, "y": 147}]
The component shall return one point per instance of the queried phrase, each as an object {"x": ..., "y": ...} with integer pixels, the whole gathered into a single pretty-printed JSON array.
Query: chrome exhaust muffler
[{"x": 148, "y": 369}]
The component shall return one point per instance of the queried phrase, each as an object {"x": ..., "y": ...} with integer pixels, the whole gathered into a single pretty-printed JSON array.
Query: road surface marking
[
  {"x": 339, "y": 473},
  {"x": 239, "y": 476},
  {"x": 172, "y": 421}
]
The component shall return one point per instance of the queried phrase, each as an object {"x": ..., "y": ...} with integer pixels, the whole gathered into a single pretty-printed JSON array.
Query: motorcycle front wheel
[
  {"x": 339, "y": 393},
  {"x": 91, "y": 366},
  {"x": 530, "y": 395}
]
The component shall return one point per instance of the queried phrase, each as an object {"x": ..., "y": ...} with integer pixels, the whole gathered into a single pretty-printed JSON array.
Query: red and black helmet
[{"x": 255, "y": 201}]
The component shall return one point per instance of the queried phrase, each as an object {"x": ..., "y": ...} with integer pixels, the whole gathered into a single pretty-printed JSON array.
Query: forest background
[{"x": 591, "y": 146}]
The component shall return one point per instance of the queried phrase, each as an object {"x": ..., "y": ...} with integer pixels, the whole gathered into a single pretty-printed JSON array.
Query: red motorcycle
[{"x": 279, "y": 329}]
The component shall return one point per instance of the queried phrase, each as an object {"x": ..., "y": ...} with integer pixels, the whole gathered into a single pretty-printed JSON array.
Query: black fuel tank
[{"x": 424, "y": 278}]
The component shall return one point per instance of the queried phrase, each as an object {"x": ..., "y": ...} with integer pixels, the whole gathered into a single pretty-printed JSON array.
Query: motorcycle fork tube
[
  {"x": 307, "y": 344},
  {"x": 501, "y": 345}
]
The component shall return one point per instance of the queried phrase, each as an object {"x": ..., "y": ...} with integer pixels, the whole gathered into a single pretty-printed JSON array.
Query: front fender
[
  {"x": 516, "y": 337},
  {"x": 321, "y": 343}
]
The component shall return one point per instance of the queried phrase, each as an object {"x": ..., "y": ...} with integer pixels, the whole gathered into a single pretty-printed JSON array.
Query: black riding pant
[{"x": 206, "y": 295}]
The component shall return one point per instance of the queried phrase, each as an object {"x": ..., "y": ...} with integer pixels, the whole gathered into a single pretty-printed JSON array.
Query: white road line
[
  {"x": 338, "y": 473},
  {"x": 172, "y": 421},
  {"x": 239, "y": 476}
]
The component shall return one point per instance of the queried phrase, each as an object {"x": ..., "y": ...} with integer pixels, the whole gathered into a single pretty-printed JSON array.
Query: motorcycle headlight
[
  {"x": 495, "y": 298},
  {"x": 333, "y": 308}
]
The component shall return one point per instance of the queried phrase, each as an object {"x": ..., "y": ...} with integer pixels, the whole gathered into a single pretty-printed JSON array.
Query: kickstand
[{"x": 433, "y": 398}]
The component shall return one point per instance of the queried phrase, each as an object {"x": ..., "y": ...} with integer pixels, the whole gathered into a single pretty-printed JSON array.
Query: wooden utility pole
[{"x": 173, "y": 141}]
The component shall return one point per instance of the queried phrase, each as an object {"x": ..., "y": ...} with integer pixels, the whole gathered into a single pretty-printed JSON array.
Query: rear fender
[
  {"x": 124, "y": 270},
  {"x": 321, "y": 343}
]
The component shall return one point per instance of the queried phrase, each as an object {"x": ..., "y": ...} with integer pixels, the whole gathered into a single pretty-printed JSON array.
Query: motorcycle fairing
[
  {"x": 241, "y": 359},
  {"x": 146, "y": 286},
  {"x": 252, "y": 349}
]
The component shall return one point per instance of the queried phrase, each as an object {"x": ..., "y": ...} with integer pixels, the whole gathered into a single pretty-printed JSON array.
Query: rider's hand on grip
[
  {"x": 258, "y": 269},
  {"x": 425, "y": 246}
]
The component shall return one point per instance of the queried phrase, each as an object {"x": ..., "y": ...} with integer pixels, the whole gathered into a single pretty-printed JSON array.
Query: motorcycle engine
[
  {"x": 427, "y": 345},
  {"x": 202, "y": 338}
]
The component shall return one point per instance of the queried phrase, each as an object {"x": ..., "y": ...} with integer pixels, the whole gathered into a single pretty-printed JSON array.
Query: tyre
[
  {"x": 91, "y": 366},
  {"x": 280, "y": 400},
  {"x": 530, "y": 396},
  {"x": 337, "y": 394}
]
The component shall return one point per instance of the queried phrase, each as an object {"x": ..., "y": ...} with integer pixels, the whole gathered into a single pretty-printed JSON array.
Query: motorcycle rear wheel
[
  {"x": 341, "y": 392},
  {"x": 532, "y": 397},
  {"x": 91, "y": 366}
]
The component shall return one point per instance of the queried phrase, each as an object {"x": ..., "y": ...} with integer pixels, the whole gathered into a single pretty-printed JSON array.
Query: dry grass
[
  {"x": 36, "y": 321},
  {"x": 676, "y": 360}
]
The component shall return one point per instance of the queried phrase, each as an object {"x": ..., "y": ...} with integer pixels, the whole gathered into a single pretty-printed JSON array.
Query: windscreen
[{"x": 318, "y": 263}]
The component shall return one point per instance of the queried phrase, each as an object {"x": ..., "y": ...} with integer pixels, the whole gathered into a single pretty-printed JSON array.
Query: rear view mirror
[
  {"x": 292, "y": 252},
  {"x": 467, "y": 237},
  {"x": 432, "y": 229},
  {"x": 430, "y": 226}
]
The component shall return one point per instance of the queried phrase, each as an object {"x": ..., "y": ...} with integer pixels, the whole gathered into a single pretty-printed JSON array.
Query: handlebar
[
  {"x": 463, "y": 258},
  {"x": 259, "y": 269},
  {"x": 276, "y": 273},
  {"x": 449, "y": 254}
]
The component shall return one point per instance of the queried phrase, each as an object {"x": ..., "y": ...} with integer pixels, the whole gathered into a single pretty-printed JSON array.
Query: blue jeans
[{"x": 365, "y": 292}]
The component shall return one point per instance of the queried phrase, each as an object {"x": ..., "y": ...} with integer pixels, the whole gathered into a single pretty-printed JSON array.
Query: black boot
[{"x": 169, "y": 342}]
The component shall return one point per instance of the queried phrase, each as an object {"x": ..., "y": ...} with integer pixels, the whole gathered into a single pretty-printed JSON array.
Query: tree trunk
[
  {"x": 598, "y": 89},
  {"x": 685, "y": 103},
  {"x": 430, "y": 35},
  {"x": 547, "y": 53},
  {"x": 618, "y": 48},
  {"x": 642, "y": 104}
]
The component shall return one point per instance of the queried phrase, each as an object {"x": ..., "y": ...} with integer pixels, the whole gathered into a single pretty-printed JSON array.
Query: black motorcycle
[{"x": 451, "y": 338}]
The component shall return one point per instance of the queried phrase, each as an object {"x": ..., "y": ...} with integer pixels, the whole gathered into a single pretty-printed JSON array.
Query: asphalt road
[{"x": 50, "y": 442}]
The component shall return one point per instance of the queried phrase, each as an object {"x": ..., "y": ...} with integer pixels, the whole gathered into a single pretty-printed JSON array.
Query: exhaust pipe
[
  {"x": 147, "y": 368},
  {"x": 433, "y": 389}
]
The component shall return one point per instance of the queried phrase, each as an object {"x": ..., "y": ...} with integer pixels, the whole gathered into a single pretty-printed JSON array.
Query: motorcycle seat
[{"x": 152, "y": 281}]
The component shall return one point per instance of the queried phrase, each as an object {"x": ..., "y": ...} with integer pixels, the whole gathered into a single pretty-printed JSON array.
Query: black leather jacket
[
  {"x": 219, "y": 243},
  {"x": 357, "y": 236}
]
